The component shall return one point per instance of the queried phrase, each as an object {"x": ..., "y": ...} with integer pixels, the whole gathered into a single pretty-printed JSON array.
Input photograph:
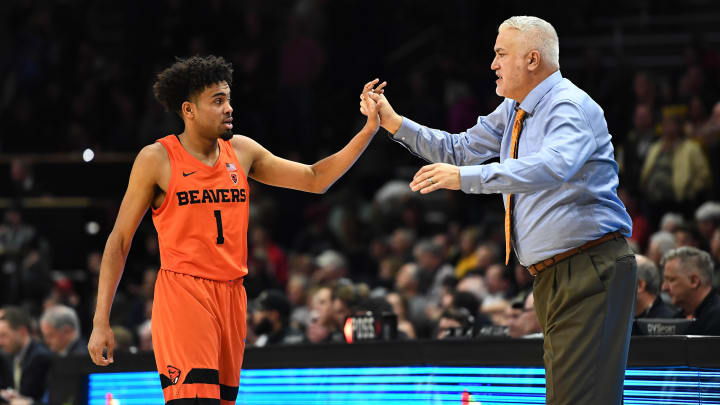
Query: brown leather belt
[{"x": 539, "y": 267}]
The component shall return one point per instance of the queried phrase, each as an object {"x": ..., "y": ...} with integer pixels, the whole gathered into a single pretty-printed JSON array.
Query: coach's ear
[
  {"x": 187, "y": 110},
  {"x": 533, "y": 60}
]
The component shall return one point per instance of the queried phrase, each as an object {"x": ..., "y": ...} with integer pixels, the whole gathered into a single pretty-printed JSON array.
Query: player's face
[
  {"x": 214, "y": 112},
  {"x": 510, "y": 65}
]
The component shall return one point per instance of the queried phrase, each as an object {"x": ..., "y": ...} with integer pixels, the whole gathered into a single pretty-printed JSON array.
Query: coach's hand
[
  {"x": 101, "y": 339},
  {"x": 436, "y": 176}
]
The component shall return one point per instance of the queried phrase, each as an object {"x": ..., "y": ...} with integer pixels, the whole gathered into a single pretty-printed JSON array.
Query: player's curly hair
[{"x": 188, "y": 77}]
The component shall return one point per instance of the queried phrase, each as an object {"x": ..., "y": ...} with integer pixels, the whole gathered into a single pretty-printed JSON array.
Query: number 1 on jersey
[{"x": 218, "y": 221}]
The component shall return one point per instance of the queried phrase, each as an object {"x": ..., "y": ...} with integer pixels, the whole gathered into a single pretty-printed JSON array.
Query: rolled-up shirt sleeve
[
  {"x": 567, "y": 144},
  {"x": 472, "y": 147}
]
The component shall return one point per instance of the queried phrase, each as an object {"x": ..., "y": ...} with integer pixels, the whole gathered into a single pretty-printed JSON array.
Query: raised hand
[
  {"x": 368, "y": 106},
  {"x": 389, "y": 119}
]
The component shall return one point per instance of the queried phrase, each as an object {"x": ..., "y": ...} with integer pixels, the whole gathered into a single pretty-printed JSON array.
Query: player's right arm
[{"x": 141, "y": 190}]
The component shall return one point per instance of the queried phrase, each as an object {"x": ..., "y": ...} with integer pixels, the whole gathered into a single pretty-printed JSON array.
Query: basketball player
[{"x": 196, "y": 185}]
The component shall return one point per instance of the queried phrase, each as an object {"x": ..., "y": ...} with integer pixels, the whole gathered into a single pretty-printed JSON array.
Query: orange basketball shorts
[{"x": 198, "y": 334}]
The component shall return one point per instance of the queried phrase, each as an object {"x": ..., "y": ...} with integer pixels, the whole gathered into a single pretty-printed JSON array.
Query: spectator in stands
[
  {"x": 660, "y": 243},
  {"x": 670, "y": 221},
  {"x": 60, "y": 328},
  {"x": 468, "y": 259},
  {"x": 648, "y": 303},
  {"x": 433, "y": 268},
  {"x": 632, "y": 152},
  {"x": 676, "y": 172},
  {"x": 321, "y": 325},
  {"x": 715, "y": 253},
  {"x": 523, "y": 320},
  {"x": 24, "y": 258},
  {"x": 499, "y": 282},
  {"x": 407, "y": 284},
  {"x": 468, "y": 300},
  {"x": 707, "y": 218},
  {"x": 30, "y": 359},
  {"x": 297, "y": 295},
  {"x": 486, "y": 254},
  {"x": 264, "y": 246},
  {"x": 400, "y": 308},
  {"x": 271, "y": 320},
  {"x": 688, "y": 281},
  {"x": 331, "y": 265},
  {"x": 688, "y": 235},
  {"x": 6, "y": 377},
  {"x": 346, "y": 297},
  {"x": 455, "y": 323}
]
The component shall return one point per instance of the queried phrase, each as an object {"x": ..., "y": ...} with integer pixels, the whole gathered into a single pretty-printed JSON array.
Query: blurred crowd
[{"x": 77, "y": 73}]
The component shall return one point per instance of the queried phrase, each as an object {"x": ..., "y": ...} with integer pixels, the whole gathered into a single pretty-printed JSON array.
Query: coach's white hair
[{"x": 539, "y": 34}]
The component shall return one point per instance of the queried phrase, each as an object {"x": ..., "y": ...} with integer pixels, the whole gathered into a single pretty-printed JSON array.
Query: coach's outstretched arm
[
  {"x": 471, "y": 147},
  {"x": 137, "y": 199},
  {"x": 317, "y": 178}
]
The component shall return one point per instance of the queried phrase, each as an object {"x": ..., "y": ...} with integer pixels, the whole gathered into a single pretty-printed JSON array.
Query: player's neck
[{"x": 203, "y": 148}]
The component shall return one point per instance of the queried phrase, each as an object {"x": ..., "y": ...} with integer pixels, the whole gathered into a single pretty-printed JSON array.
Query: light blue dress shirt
[{"x": 564, "y": 179}]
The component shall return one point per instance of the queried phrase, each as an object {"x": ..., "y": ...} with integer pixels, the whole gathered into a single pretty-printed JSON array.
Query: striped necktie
[{"x": 517, "y": 128}]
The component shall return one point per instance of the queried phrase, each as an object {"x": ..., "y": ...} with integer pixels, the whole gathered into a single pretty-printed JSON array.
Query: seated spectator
[
  {"x": 660, "y": 243},
  {"x": 433, "y": 268},
  {"x": 331, "y": 265},
  {"x": 467, "y": 300},
  {"x": 687, "y": 235},
  {"x": 345, "y": 299},
  {"x": 631, "y": 153},
  {"x": 296, "y": 291},
  {"x": 30, "y": 359},
  {"x": 688, "y": 281},
  {"x": 455, "y": 323},
  {"x": 648, "y": 303},
  {"x": 321, "y": 326},
  {"x": 407, "y": 284},
  {"x": 715, "y": 253},
  {"x": 271, "y": 320},
  {"x": 671, "y": 221},
  {"x": 400, "y": 308},
  {"x": 523, "y": 321},
  {"x": 124, "y": 338},
  {"x": 468, "y": 259},
  {"x": 676, "y": 171},
  {"x": 707, "y": 218},
  {"x": 60, "y": 328}
]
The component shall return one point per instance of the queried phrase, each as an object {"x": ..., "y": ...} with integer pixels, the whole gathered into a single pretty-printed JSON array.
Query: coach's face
[{"x": 511, "y": 65}]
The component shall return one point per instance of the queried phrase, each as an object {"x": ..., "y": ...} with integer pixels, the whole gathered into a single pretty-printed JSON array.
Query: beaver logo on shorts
[{"x": 174, "y": 374}]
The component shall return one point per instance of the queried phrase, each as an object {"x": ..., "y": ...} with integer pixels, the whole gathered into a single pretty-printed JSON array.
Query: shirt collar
[{"x": 536, "y": 94}]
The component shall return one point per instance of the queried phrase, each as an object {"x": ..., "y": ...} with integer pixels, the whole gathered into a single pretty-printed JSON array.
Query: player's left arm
[{"x": 317, "y": 178}]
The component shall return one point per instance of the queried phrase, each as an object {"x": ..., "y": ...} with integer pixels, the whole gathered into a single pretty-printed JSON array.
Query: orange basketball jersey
[{"x": 202, "y": 223}]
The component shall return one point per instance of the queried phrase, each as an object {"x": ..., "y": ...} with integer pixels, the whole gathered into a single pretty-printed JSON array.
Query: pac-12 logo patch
[
  {"x": 234, "y": 178},
  {"x": 174, "y": 374}
]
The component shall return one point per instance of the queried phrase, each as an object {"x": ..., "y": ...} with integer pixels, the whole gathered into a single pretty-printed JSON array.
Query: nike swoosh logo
[{"x": 187, "y": 174}]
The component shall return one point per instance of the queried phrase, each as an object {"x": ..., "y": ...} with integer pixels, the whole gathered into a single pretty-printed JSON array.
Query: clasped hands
[{"x": 430, "y": 177}]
